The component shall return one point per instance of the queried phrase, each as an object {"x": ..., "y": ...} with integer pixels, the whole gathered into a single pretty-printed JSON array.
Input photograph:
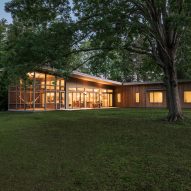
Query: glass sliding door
[
  {"x": 82, "y": 100},
  {"x": 104, "y": 100},
  {"x": 62, "y": 100},
  {"x": 90, "y": 98},
  {"x": 76, "y": 100},
  {"x": 107, "y": 98},
  {"x": 96, "y": 100}
]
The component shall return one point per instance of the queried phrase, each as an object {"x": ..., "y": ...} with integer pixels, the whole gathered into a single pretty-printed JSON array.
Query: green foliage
[
  {"x": 54, "y": 33},
  {"x": 4, "y": 82},
  {"x": 155, "y": 28},
  {"x": 39, "y": 36},
  {"x": 34, "y": 49},
  {"x": 3, "y": 75},
  {"x": 184, "y": 56},
  {"x": 120, "y": 66}
]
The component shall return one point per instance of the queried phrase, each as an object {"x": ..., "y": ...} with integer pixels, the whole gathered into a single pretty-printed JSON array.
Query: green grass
[{"x": 97, "y": 150}]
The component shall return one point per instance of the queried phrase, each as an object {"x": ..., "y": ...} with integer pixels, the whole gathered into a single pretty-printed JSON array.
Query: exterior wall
[
  {"x": 128, "y": 93},
  {"x": 184, "y": 86}
]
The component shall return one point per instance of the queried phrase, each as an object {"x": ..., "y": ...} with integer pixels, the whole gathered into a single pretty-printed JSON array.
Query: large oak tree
[{"x": 151, "y": 27}]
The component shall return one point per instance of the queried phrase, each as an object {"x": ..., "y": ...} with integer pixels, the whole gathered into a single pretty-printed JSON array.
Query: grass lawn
[{"x": 94, "y": 150}]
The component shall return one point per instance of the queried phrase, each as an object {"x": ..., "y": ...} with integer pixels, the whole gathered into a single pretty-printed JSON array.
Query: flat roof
[
  {"x": 148, "y": 82},
  {"x": 141, "y": 83}
]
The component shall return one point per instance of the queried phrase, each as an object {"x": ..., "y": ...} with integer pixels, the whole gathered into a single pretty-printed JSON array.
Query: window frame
[
  {"x": 118, "y": 97},
  {"x": 154, "y": 98},
  {"x": 186, "y": 91},
  {"x": 137, "y": 97}
]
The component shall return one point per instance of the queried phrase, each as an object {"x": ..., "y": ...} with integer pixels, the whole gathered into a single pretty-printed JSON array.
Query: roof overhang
[
  {"x": 90, "y": 78},
  {"x": 141, "y": 83},
  {"x": 83, "y": 76}
]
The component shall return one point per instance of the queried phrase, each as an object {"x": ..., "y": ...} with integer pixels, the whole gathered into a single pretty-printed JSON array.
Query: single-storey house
[{"x": 46, "y": 90}]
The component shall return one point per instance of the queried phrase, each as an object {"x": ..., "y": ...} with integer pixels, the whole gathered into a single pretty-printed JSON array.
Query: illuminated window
[
  {"x": 50, "y": 97},
  {"x": 80, "y": 89},
  {"x": 156, "y": 97},
  {"x": 104, "y": 90},
  {"x": 30, "y": 75},
  {"x": 119, "y": 98},
  {"x": 137, "y": 98},
  {"x": 62, "y": 82},
  {"x": 96, "y": 90},
  {"x": 89, "y": 90},
  {"x": 72, "y": 89},
  {"x": 187, "y": 96}
]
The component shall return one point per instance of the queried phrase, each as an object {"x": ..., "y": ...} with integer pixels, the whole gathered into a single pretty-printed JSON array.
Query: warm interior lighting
[
  {"x": 104, "y": 90},
  {"x": 30, "y": 74},
  {"x": 156, "y": 97},
  {"x": 119, "y": 98},
  {"x": 80, "y": 89},
  {"x": 137, "y": 97},
  {"x": 62, "y": 82},
  {"x": 89, "y": 90},
  {"x": 96, "y": 90},
  {"x": 39, "y": 75},
  {"x": 187, "y": 96},
  {"x": 50, "y": 97},
  {"x": 72, "y": 89}
]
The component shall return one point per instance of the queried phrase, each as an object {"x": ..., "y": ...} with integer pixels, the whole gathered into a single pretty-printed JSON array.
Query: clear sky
[{"x": 3, "y": 14}]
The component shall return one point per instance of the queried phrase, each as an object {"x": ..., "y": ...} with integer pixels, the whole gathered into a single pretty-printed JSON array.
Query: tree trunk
[{"x": 172, "y": 94}]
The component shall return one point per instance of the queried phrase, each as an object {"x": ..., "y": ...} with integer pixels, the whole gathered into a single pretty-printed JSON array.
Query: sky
[
  {"x": 3, "y": 14},
  {"x": 6, "y": 15}
]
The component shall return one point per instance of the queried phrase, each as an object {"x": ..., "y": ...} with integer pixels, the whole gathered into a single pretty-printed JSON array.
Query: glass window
[
  {"x": 96, "y": 90},
  {"x": 70, "y": 100},
  {"x": 80, "y": 89},
  {"x": 89, "y": 90},
  {"x": 105, "y": 100},
  {"x": 31, "y": 75},
  {"x": 42, "y": 84},
  {"x": 110, "y": 100},
  {"x": 72, "y": 89},
  {"x": 187, "y": 96},
  {"x": 119, "y": 98},
  {"x": 50, "y": 82},
  {"x": 104, "y": 90},
  {"x": 137, "y": 97},
  {"x": 50, "y": 97},
  {"x": 62, "y": 82},
  {"x": 156, "y": 97}
]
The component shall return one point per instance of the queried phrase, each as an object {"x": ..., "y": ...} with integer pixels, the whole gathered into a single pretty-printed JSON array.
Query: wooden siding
[
  {"x": 184, "y": 86},
  {"x": 128, "y": 95}
]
